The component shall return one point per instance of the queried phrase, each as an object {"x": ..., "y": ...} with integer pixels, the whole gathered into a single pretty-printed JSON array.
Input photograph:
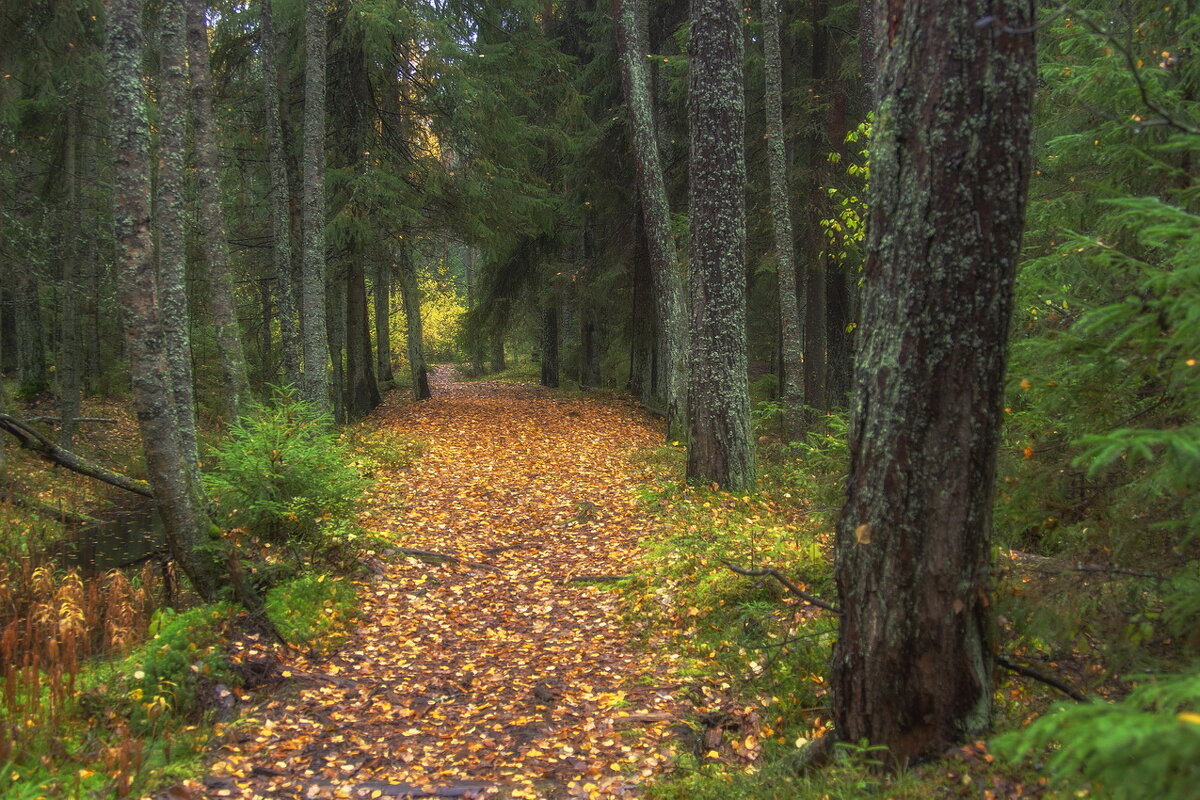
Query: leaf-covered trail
[{"x": 499, "y": 669}]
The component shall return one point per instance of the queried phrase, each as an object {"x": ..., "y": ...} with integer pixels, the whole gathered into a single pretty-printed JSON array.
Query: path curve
[{"x": 502, "y": 675}]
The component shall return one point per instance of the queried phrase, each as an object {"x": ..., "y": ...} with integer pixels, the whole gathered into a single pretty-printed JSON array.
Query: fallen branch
[
  {"x": 60, "y": 514},
  {"x": 56, "y": 420},
  {"x": 37, "y": 442},
  {"x": 771, "y": 572},
  {"x": 317, "y": 677},
  {"x": 410, "y": 551},
  {"x": 598, "y": 578},
  {"x": 1041, "y": 677}
]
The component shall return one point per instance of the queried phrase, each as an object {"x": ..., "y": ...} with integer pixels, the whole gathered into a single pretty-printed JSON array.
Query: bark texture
[
  {"x": 382, "y": 288},
  {"x": 720, "y": 448},
  {"x": 315, "y": 385},
  {"x": 213, "y": 237},
  {"x": 949, "y": 168},
  {"x": 631, "y": 26},
  {"x": 169, "y": 218},
  {"x": 791, "y": 332},
  {"x": 173, "y": 477}
]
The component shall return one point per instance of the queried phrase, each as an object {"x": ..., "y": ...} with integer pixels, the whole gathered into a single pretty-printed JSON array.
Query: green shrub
[
  {"x": 310, "y": 609},
  {"x": 1148, "y": 745},
  {"x": 166, "y": 673},
  {"x": 285, "y": 478}
]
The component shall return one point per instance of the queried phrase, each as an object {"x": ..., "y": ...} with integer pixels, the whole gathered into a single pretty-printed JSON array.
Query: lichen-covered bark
[
  {"x": 281, "y": 227},
  {"x": 213, "y": 238},
  {"x": 414, "y": 334},
  {"x": 631, "y": 22},
  {"x": 169, "y": 218},
  {"x": 791, "y": 333},
  {"x": 949, "y": 167},
  {"x": 173, "y": 477},
  {"x": 315, "y": 383},
  {"x": 720, "y": 448}
]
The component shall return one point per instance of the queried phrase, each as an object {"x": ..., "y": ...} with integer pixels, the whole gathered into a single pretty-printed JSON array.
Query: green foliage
[
  {"x": 311, "y": 610},
  {"x": 1147, "y": 745},
  {"x": 846, "y": 232},
  {"x": 283, "y": 476},
  {"x": 813, "y": 467},
  {"x": 165, "y": 675}
]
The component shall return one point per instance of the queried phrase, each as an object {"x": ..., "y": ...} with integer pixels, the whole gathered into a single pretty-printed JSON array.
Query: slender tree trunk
[
  {"x": 335, "y": 326},
  {"x": 949, "y": 168},
  {"x": 413, "y": 333},
  {"x": 213, "y": 238},
  {"x": 67, "y": 366},
  {"x": 383, "y": 329},
  {"x": 362, "y": 393},
  {"x": 476, "y": 345},
  {"x": 173, "y": 475},
  {"x": 720, "y": 448},
  {"x": 791, "y": 332},
  {"x": 631, "y": 24},
  {"x": 169, "y": 213},
  {"x": 839, "y": 344},
  {"x": 312, "y": 284},
  {"x": 815, "y": 355},
  {"x": 641, "y": 335},
  {"x": 279, "y": 196},
  {"x": 497, "y": 348},
  {"x": 549, "y": 344}
]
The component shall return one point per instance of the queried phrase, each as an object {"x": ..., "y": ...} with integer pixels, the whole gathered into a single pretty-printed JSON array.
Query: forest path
[{"x": 497, "y": 675}]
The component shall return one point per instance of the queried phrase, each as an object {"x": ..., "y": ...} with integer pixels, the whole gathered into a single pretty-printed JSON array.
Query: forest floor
[{"x": 508, "y": 670}]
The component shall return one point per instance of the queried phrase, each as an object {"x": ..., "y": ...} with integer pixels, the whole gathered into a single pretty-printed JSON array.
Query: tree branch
[
  {"x": 1041, "y": 677},
  {"x": 770, "y": 572},
  {"x": 32, "y": 440}
]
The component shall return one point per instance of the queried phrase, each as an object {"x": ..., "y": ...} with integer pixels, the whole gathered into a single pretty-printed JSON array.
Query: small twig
[
  {"x": 598, "y": 578},
  {"x": 410, "y": 551},
  {"x": 57, "y": 420},
  {"x": 771, "y": 572},
  {"x": 1041, "y": 677}
]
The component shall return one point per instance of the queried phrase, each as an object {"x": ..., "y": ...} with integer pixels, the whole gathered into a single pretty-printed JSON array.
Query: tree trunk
[
  {"x": 549, "y": 344},
  {"x": 279, "y": 196},
  {"x": 31, "y": 348},
  {"x": 631, "y": 23},
  {"x": 720, "y": 448},
  {"x": 497, "y": 348},
  {"x": 383, "y": 318},
  {"x": 312, "y": 283},
  {"x": 476, "y": 345},
  {"x": 815, "y": 356},
  {"x": 235, "y": 383},
  {"x": 335, "y": 326},
  {"x": 949, "y": 168},
  {"x": 169, "y": 216},
  {"x": 362, "y": 393},
  {"x": 641, "y": 335},
  {"x": 839, "y": 343},
  {"x": 413, "y": 334},
  {"x": 173, "y": 476},
  {"x": 67, "y": 367},
  {"x": 790, "y": 334}
]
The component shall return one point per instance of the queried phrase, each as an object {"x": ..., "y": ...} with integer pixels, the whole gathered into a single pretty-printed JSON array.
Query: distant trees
[{"x": 949, "y": 169}]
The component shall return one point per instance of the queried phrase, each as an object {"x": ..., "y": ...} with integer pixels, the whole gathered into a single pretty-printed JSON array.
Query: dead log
[
  {"x": 31, "y": 439},
  {"x": 770, "y": 572}
]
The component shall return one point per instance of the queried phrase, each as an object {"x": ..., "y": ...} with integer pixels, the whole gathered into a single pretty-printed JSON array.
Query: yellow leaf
[{"x": 1189, "y": 716}]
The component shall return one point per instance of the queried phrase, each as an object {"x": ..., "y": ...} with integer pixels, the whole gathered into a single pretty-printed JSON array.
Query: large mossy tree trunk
[
  {"x": 169, "y": 213},
  {"x": 791, "y": 333},
  {"x": 279, "y": 197},
  {"x": 235, "y": 383},
  {"x": 382, "y": 291},
  {"x": 173, "y": 476},
  {"x": 631, "y": 25},
  {"x": 314, "y": 332},
  {"x": 720, "y": 448},
  {"x": 949, "y": 168}
]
